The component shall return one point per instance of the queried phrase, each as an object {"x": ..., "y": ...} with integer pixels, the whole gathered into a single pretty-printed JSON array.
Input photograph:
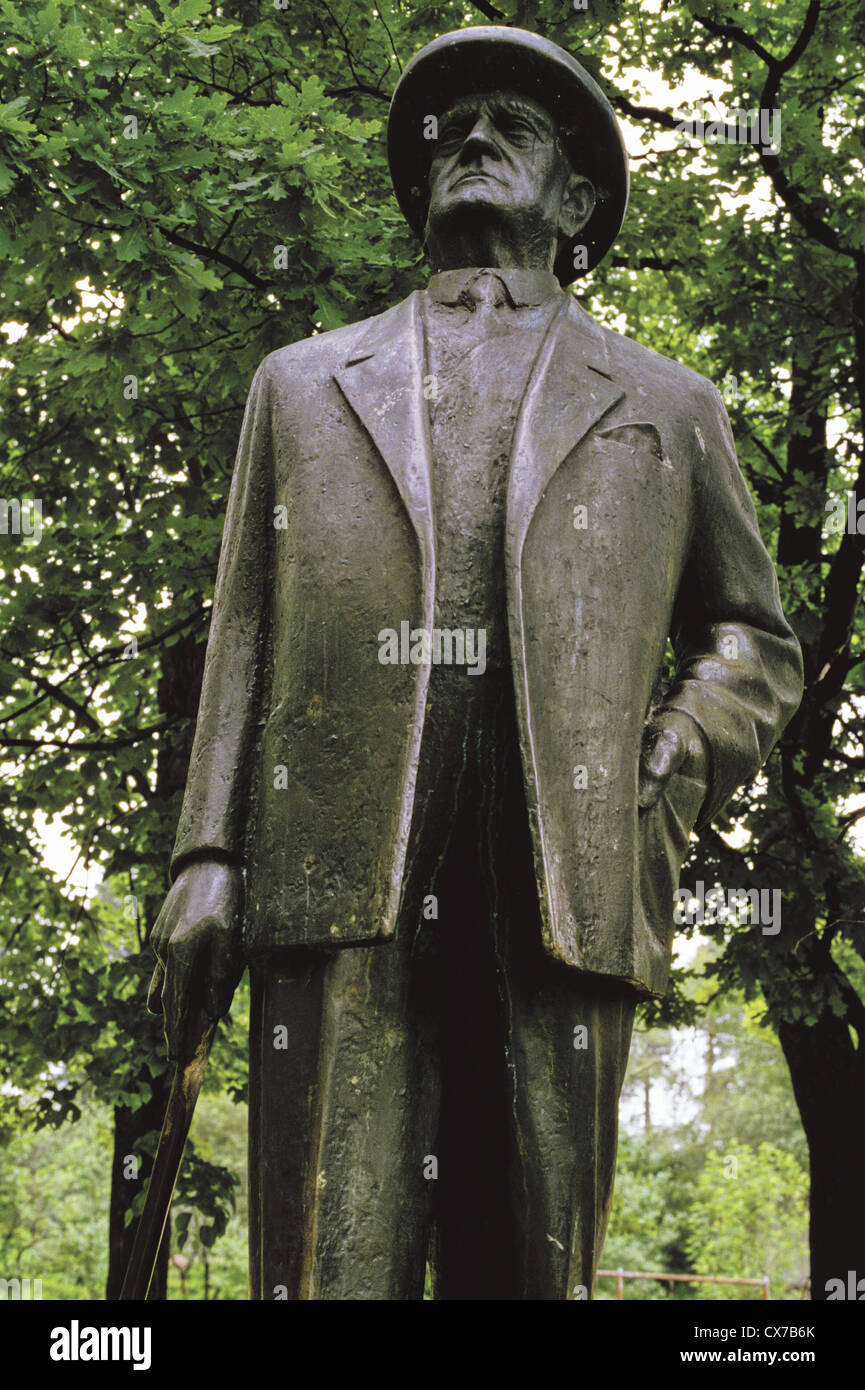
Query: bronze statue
[{"x": 432, "y": 800}]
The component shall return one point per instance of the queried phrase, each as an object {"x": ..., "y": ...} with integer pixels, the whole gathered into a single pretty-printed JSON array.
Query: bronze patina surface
[{"x": 434, "y": 798}]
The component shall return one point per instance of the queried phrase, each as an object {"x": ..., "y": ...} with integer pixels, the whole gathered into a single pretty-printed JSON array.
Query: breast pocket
[{"x": 637, "y": 435}]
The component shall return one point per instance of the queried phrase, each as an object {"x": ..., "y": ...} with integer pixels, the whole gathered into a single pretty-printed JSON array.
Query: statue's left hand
[{"x": 672, "y": 743}]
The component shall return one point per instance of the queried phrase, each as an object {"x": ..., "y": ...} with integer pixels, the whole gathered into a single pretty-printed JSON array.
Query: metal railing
[{"x": 620, "y": 1275}]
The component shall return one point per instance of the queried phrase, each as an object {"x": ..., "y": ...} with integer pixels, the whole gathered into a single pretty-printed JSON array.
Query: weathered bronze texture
[{"x": 454, "y": 881}]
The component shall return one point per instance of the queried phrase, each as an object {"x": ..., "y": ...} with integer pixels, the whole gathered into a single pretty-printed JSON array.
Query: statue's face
[{"x": 499, "y": 151}]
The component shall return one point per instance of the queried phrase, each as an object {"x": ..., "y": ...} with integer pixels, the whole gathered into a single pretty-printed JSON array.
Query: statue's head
[
  {"x": 499, "y": 139},
  {"x": 500, "y": 175}
]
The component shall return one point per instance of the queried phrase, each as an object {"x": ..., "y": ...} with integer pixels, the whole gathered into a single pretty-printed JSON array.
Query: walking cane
[{"x": 185, "y": 1088}]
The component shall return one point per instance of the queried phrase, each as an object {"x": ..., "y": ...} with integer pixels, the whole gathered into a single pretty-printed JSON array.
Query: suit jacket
[{"x": 306, "y": 747}]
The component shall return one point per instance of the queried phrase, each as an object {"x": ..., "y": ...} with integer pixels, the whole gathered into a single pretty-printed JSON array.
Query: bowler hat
[{"x": 495, "y": 57}]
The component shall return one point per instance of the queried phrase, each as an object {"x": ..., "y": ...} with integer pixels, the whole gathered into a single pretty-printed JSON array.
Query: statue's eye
[
  {"x": 446, "y": 144},
  {"x": 517, "y": 127},
  {"x": 452, "y": 135}
]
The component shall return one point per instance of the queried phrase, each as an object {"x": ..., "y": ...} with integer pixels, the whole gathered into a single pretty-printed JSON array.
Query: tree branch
[
  {"x": 737, "y": 35},
  {"x": 97, "y": 745},
  {"x": 212, "y": 254}
]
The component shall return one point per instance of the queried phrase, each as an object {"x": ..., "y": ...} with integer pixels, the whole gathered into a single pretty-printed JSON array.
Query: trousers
[{"x": 446, "y": 1100}]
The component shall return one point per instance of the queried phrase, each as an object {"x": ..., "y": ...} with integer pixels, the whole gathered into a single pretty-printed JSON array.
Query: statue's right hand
[{"x": 197, "y": 941}]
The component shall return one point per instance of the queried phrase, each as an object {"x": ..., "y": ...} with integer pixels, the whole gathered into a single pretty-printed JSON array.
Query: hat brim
[{"x": 491, "y": 58}]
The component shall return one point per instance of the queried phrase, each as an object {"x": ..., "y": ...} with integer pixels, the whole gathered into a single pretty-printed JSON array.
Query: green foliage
[
  {"x": 750, "y": 1214},
  {"x": 747, "y": 1095},
  {"x": 210, "y": 1249},
  {"x": 697, "y": 1101},
  {"x": 649, "y": 1218},
  {"x": 54, "y": 1206}
]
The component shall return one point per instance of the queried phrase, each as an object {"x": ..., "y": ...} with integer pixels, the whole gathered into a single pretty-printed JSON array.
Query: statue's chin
[
  {"x": 465, "y": 221},
  {"x": 478, "y": 231}
]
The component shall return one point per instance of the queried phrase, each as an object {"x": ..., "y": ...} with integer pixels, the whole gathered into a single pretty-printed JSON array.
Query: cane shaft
[{"x": 185, "y": 1088}]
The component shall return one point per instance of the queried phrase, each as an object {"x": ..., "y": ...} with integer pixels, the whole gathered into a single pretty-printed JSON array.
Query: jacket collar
[{"x": 522, "y": 289}]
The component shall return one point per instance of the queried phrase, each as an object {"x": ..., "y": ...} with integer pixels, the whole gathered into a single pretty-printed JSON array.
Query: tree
[
  {"x": 54, "y": 1207},
  {"x": 720, "y": 1090},
  {"x": 649, "y": 1219},
  {"x": 748, "y": 1218}
]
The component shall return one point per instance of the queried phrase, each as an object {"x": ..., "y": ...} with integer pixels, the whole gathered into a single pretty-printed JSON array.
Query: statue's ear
[{"x": 578, "y": 204}]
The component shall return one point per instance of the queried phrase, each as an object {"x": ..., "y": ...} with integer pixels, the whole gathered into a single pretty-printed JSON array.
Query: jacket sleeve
[
  {"x": 215, "y": 804},
  {"x": 738, "y": 664}
]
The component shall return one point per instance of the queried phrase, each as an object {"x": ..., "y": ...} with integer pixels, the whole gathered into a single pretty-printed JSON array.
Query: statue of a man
[{"x": 435, "y": 799}]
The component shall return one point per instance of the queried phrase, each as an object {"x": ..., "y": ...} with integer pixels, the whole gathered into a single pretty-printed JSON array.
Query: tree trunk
[
  {"x": 827, "y": 1068},
  {"x": 828, "y": 1076}
]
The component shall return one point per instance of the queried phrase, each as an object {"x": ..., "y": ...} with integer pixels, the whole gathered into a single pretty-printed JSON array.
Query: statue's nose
[{"x": 480, "y": 139}]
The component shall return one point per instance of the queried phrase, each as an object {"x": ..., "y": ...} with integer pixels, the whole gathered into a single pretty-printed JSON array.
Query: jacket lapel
[
  {"x": 382, "y": 381},
  {"x": 570, "y": 388}
]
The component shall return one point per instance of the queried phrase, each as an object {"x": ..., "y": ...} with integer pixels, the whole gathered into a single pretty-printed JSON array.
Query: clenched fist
[{"x": 197, "y": 941}]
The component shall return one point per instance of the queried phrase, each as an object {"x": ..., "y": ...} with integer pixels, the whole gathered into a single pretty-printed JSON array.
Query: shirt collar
[{"x": 526, "y": 288}]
